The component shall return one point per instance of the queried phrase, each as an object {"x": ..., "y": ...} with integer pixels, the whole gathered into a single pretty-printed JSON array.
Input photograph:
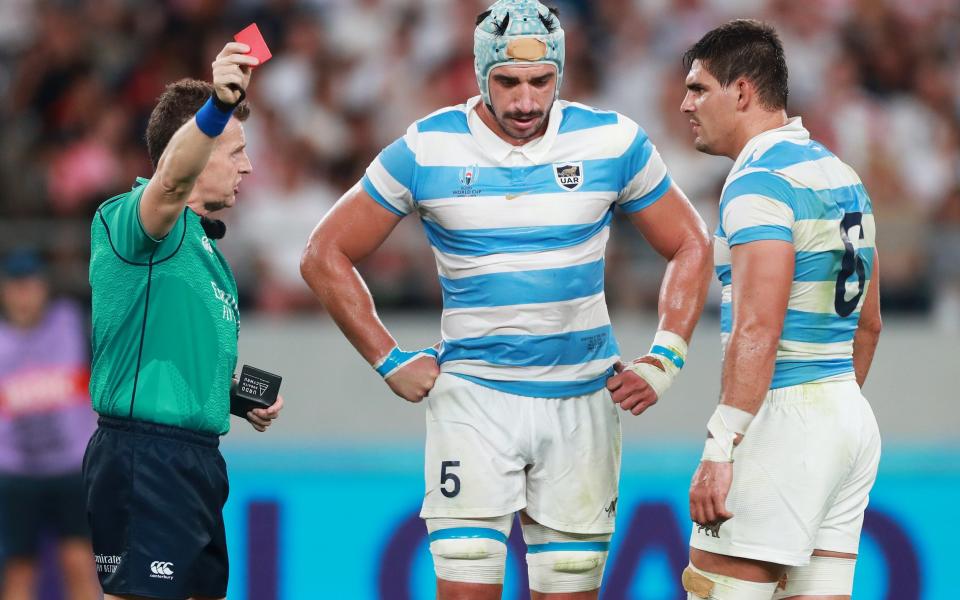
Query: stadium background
[{"x": 324, "y": 505}]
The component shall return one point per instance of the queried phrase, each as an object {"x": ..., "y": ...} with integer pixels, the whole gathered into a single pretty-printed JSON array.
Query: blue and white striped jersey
[
  {"x": 785, "y": 186},
  {"x": 519, "y": 235}
]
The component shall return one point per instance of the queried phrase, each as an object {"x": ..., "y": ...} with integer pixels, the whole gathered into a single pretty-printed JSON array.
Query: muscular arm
[
  {"x": 189, "y": 149},
  {"x": 356, "y": 227},
  {"x": 675, "y": 230},
  {"x": 762, "y": 277},
  {"x": 868, "y": 329},
  {"x": 179, "y": 166},
  {"x": 350, "y": 232}
]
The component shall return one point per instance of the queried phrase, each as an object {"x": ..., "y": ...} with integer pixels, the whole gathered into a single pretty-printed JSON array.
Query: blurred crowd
[{"x": 878, "y": 81}]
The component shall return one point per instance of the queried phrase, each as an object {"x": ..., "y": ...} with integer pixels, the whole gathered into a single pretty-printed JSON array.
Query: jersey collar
[
  {"x": 499, "y": 150},
  {"x": 793, "y": 131}
]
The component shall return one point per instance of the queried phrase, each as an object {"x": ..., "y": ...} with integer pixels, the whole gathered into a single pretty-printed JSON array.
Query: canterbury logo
[{"x": 161, "y": 568}]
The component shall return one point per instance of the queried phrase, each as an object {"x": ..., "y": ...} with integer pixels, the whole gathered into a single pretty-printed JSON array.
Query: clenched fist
[
  {"x": 231, "y": 72},
  {"x": 413, "y": 381}
]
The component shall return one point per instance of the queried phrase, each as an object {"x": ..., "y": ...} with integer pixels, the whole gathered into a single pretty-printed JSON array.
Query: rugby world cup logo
[
  {"x": 569, "y": 175},
  {"x": 468, "y": 175}
]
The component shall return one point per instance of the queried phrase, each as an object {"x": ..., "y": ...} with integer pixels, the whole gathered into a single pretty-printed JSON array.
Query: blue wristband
[
  {"x": 399, "y": 358},
  {"x": 212, "y": 120},
  {"x": 669, "y": 354}
]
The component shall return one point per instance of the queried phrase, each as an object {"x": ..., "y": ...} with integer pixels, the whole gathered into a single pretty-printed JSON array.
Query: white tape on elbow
[{"x": 724, "y": 425}]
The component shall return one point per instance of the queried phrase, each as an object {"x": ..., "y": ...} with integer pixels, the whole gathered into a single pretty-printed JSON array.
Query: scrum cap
[{"x": 517, "y": 32}]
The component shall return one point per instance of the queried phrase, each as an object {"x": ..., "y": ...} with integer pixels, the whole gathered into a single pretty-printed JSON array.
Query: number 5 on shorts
[{"x": 445, "y": 477}]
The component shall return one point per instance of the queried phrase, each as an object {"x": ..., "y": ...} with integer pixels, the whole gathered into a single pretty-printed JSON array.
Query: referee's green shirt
[{"x": 165, "y": 320}]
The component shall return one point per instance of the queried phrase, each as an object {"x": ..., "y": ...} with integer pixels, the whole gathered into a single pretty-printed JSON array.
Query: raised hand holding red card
[{"x": 251, "y": 36}]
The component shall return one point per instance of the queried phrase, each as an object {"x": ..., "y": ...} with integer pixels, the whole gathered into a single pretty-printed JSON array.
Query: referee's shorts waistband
[{"x": 199, "y": 438}]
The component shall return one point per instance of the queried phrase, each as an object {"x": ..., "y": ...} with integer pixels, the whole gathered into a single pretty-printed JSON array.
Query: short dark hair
[
  {"x": 745, "y": 48},
  {"x": 175, "y": 106}
]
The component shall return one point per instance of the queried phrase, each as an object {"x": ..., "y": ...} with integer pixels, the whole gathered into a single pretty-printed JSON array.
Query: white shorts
[
  {"x": 490, "y": 454},
  {"x": 801, "y": 476}
]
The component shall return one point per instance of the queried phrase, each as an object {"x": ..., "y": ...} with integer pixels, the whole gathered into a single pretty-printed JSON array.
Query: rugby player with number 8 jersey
[{"x": 793, "y": 447}]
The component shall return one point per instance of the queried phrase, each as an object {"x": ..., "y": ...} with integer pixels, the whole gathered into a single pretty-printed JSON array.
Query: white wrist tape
[
  {"x": 726, "y": 422},
  {"x": 714, "y": 453},
  {"x": 670, "y": 350}
]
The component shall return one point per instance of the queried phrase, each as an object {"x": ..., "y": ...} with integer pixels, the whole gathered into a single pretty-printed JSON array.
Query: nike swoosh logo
[{"x": 515, "y": 196}]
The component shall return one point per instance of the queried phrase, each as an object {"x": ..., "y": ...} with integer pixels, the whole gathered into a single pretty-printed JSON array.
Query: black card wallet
[{"x": 253, "y": 389}]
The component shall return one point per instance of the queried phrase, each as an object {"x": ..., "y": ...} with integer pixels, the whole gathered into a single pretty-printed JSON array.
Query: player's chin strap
[
  {"x": 727, "y": 421},
  {"x": 670, "y": 350},
  {"x": 397, "y": 359}
]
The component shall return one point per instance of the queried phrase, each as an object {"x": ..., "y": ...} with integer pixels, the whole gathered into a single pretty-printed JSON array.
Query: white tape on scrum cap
[{"x": 727, "y": 421}]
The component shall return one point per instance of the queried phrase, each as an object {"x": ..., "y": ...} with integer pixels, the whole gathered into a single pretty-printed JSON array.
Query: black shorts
[
  {"x": 155, "y": 496},
  {"x": 32, "y": 507}
]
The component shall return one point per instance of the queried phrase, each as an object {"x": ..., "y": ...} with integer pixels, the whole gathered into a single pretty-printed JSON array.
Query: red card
[{"x": 258, "y": 48}]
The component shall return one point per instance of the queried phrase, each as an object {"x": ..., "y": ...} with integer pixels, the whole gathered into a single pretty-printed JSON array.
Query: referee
[{"x": 165, "y": 325}]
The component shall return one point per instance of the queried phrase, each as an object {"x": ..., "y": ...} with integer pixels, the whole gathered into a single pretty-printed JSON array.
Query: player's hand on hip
[
  {"x": 261, "y": 418},
  {"x": 413, "y": 381},
  {"x": 231, "y": 72},
  {"x": 708, "y": 493},
  {"x": 630, "y": 390}
]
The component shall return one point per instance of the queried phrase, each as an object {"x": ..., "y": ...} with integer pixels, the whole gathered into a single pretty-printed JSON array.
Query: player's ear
[{"x": 746, "y": 92}]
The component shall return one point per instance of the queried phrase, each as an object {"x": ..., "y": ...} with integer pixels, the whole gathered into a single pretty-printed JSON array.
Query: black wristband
[{"x": 223, "y": 106}]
